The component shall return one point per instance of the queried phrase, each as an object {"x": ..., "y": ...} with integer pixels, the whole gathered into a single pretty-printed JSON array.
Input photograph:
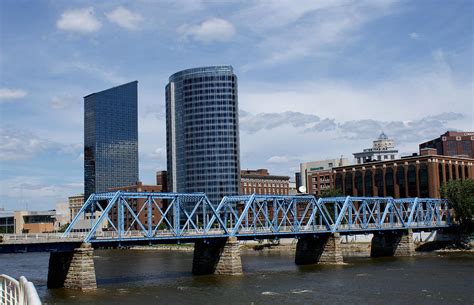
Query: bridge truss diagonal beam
[{"x": 136, "y": 216}]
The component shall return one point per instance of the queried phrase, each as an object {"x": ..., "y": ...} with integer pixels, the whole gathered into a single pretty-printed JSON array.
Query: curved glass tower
[{"x": 202, "y": 132}]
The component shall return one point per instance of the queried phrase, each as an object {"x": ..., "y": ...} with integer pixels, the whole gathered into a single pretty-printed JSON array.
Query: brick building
[
  {"x": 453, "y": 143},
  {"x": 320, "y": 181},
  {"x": 416, "y": 176},
  {"x": 262, "y": 183},
  {"x": 137, "y": 205}
]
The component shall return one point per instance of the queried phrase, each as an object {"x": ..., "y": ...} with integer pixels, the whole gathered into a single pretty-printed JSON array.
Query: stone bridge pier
[
  {"x": 324, "y": 249},
  {"x": 74, "y": 269},
  {"x": 217, "y": 256},
  {"x": 397, "y": 243}
]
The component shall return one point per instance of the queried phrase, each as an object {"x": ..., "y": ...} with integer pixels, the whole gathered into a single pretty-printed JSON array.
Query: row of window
[
  {"x": 210, "y": 78},
  {"x": 210, "y": 109}
]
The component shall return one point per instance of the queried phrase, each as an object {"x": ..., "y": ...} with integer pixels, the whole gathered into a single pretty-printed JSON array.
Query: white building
[{"x": 382, "y": 149}]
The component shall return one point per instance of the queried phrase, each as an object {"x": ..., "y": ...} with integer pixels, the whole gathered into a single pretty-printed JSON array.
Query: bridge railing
[
  {"x": 148, "y": 216},
  {"x": 43, "y": 237},
  {"x": 13, "y": 292}
]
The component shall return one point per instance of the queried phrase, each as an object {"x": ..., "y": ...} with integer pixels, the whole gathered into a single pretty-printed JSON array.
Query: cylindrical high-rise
[{"x": 202, "y": 132}]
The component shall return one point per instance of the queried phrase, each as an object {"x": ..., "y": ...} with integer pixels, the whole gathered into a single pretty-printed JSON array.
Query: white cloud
[
  {"x": 82, "y": 21},
  {"x": 414, "y": 35},
  {"x": 36, "y": 192},
  {"x": 10, "y": 94},
  {"x": 108, "y": 75},
  {"x": 213, "y": 29},
  {"x": 20, "y": 145},
  {"x": 312, "y": 28},
  {"x": 125, "y": 18}
]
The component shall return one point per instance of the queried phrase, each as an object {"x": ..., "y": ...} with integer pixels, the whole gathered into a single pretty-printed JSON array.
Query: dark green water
[{"x": 158, "y": 277}]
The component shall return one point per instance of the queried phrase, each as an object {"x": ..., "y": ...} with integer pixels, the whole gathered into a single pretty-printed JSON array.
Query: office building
[
  {"x": 260, "y": 182},
  {"x": 202, "y": 132},
  {"x": 308, "y": 168},
  {"x": 452, "y": 143},
  {"x": 110, "y": 138},
  {"x": 382, "y": 149}
]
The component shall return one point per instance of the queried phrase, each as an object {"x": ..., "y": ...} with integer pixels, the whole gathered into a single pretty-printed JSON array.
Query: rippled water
[{"x": 158, "y": 277}]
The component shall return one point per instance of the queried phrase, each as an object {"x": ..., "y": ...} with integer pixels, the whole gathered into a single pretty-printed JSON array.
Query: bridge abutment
[
  {"x": 217, "y": 256},
  {"x": 392, "y": 244},
  {"x": 321, "y": 249},
  {"x": 74, "y": 269}
]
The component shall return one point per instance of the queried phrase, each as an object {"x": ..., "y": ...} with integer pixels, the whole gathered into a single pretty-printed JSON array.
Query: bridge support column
[
  {"x": 321, "y": 249},
  {"x": 72, "y": 269},
  {"x": 392, "y": 244},
  {"x": 217, "y": 256}
]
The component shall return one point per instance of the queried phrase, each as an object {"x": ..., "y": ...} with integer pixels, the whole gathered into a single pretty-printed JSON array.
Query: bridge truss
[{"x": 131, "y": 216}]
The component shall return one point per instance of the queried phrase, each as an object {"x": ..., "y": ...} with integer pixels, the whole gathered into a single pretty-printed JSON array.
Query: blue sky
[{"x": 317, "y": 79}]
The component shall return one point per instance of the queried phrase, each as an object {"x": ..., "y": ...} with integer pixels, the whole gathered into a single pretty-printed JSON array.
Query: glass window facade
[
  {"x": 111, "y": 138},
  {"x": 203, "y": 150}
]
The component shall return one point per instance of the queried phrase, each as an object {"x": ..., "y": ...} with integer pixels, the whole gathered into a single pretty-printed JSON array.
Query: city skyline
[{"x": 312, "y": 79}]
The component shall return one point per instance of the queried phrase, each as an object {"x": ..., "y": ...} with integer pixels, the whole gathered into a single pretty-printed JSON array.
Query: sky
[{"x": 317, "y": 79}]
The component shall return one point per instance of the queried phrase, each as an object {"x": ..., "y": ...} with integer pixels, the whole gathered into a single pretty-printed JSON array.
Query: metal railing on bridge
[
  {"x": 154, "y": 216},
  {"x": 21, "y": 292}
]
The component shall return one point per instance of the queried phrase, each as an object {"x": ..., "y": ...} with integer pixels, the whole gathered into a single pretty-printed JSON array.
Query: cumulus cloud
[
  {"x": 403, "y": 131},
  {"x": 11, "y": 94},
  {"x": 124, "y": 18},
  {"x": 310, "y": 28},
  {"x": 213, "y": 29},
  {"x": 20, "y": 144},
  {"x": 37, "y": 191},
  {"x": 414, "y": 35},
  {"x": 82, "y": 21},
  {"x": 252, "y": 123}
]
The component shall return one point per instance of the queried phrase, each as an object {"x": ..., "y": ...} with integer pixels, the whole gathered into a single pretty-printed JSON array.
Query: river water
[{"x": 161, "y": 277}]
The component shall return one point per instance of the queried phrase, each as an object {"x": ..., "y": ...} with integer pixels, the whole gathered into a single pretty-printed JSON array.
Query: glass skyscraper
[
  {"x": 110, "y": 138},
  {"x": 202, "y": 132}
]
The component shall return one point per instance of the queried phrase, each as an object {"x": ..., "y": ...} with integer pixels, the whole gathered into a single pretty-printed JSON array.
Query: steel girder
[{"x": 127, "y": 216}]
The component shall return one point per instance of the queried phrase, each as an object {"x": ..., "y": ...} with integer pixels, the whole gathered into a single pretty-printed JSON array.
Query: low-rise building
[
  {"x": 262, "y": 183},
  {"x": 415, "y": 176},
  {"x": 7, "y": 221},
  {"x": 452, "y": 144},
  {"x": 34, "y": 221},
  {"x": 308, "y": 169}
]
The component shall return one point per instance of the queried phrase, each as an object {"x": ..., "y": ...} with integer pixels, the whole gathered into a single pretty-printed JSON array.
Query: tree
[
  {"x": 331, "y": 193},
  {"x": 460, "y": 194}
]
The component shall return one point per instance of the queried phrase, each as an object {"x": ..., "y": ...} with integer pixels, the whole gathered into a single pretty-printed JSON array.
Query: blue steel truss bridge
[{"x": 127, "y": 218}]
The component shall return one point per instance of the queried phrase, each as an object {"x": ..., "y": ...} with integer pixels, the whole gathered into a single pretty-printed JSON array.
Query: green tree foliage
[
  {"x": 461, "y": 197},
  {"x": 331, "y": 193}
]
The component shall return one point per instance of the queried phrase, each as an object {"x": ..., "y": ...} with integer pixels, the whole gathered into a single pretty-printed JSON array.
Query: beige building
[
  {"x": 34, "y": 221},
  {"x": 75, "y": 204},
  {"x": 307, "y": 169}
]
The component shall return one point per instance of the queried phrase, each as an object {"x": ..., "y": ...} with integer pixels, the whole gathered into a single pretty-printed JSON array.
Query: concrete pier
[
  {"x": 74, "y": 269},
  {"x": 217, "y": 256},
  {"x": 321, "y": 249},
  {"x": 398, "y": 243}
]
